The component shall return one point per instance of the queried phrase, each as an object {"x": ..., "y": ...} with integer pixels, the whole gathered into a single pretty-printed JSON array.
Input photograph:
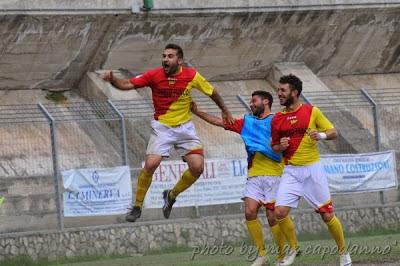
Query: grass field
[{"x": 366, "y": 250}]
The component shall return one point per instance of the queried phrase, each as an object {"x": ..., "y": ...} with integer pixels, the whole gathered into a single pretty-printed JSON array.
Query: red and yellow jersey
[
  {"x": 296, "y": 125},
  {"x": 258, "y": 164},
  {"x": 172, "y": 95}
]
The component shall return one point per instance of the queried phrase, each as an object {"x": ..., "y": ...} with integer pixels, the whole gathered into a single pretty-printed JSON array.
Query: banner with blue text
[
  {"x": 360, "y": 172},
  {"x": 97, "y": 191}
]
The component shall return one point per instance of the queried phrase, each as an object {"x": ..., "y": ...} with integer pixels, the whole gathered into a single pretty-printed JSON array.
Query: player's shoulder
[
  {"x": 312, "y": 108},
  {"x": 278, "y": 114},
  {"x": 188, "y": 71}
]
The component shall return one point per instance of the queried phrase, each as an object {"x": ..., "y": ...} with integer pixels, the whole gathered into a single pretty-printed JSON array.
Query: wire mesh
[
  {"x": 26, "y": 169},
  {"x": 389, "y": 125},
  {"x": 385, "y": 96},
  {"x": 25, "y": 142},
  {"x": 350, "y": 112},
  {"x": 88, "y": 134},
  {"x": 82, "y": 111}
]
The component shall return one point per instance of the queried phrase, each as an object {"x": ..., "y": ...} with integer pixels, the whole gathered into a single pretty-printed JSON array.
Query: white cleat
[
  {"x": 345, "y": 259},
  {"x": 289, "y": 258},
  {"x": 260, "y": 261}
]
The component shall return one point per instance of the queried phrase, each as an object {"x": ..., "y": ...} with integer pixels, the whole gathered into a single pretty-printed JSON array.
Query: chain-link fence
[
  {"x": 40, "y": 141},
  {"x": 26, "y": 169}
]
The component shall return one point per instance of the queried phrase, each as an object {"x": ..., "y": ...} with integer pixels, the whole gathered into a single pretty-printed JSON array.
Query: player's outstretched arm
[
  {"x": 216, "y": 97},
  {"x": 122, "y": 84},
  {"x": 214, "y": 120}
]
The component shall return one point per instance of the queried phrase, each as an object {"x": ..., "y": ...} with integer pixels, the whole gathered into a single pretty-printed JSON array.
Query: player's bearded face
[
  {"x": 256, "y": 105},
  {"x": 170, "y": 62},
  {"x": 285, "y": 95}
]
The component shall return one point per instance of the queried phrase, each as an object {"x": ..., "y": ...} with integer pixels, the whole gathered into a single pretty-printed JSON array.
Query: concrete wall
[
  {"x": 133, "y": 239},
  {"x": 42, "y": 51},
  {"x": 21, "y": 5}
]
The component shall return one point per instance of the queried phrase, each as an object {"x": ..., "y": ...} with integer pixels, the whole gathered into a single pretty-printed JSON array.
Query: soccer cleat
[
  {"x": 167, "y": 203},
  {"x": 2, "y": 199},
  {"x": 261, "y": 261},
  {"x": 133, "y": 214},
  {"x": 289, "y": 258},
  {"x": 345, "y": 259}
]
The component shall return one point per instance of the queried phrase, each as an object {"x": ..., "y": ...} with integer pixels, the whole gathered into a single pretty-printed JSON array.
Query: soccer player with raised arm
[
  {"x": 295, "y": 132},
  {"x": 171, "y": 86},
  {"x": 264, "y": 171}
]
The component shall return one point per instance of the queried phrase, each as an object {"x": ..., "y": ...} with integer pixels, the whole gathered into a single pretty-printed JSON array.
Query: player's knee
[
  {"x": 251, "y": 211},
  {"x": 327, "y": 216},
  {"x": 150, "y": 167},
  {"x": 281, "y": 212},
  {"x": 326, "y": 212},
  {"x": 197, "y": 169},
  {"x": 250, "y": 214},
  {"x": 271, "y": 217}
]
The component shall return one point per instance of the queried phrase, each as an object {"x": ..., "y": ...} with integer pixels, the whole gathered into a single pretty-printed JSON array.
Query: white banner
[
  {"x": 222, "y": 182},
  {"x": 361, "y": 172},
  {"x": 97, "y": 191}
]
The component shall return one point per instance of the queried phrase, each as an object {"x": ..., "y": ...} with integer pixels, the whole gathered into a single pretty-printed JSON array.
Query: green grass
[
  {"x": 379, "y": 249},
  {"x": 324, "y": 234}
]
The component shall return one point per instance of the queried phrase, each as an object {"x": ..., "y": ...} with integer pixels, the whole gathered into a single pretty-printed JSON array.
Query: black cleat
[
  {"x": 133, "y": 214},
  {"x": 167, "y": 204}
]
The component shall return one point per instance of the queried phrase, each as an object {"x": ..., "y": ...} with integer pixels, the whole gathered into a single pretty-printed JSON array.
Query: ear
[
  {"x": 294, "y": 93},
  {"x": 180, "y": 61}
]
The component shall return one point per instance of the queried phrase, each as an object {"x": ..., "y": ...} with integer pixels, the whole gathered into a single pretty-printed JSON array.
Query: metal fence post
[
  {"x": 123, "y": 133},
  {"x": 376, "y": 119},
  {"x": 243, "y": 102},
  {"x": 377, "y": 130},
  {"x": 57, "y": 181}
]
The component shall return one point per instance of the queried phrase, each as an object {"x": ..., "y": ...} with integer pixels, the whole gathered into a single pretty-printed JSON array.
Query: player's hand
[
  {"x": 314, "y": 135},
  {"x": 227, "y": 117},
  {"x": 193, "y": 107},
  {"x": 284, "y": 142},
  {"x": 108, "y": 76}
]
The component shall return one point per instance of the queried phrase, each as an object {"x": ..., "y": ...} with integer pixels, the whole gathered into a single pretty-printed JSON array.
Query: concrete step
[
  {"x": 40, "y": 203},
  {"x": 26, "y": 186},
  {"x": 28, "y": 222}
]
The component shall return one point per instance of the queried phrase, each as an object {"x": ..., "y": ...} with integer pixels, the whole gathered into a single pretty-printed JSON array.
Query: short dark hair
[
  {"x": 177, "y": 48},
  {"x": 264, "y": 95},
  {"x": 294, "y": 82}
]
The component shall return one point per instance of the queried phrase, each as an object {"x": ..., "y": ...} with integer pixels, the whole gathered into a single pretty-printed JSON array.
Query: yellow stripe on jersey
[
  {"x": 307, "y": 153},
  {"x": 179, "y": 111},
  {"x": 264, "y": 166}
]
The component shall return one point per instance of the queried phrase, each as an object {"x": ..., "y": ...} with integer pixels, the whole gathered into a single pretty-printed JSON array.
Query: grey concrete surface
[
  {"x": 187, "y": 5},
  {"x": 56, "y": 51}
]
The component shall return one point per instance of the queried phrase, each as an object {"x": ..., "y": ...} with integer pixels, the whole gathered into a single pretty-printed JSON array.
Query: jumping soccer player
[
  {"x": 264, "y": 171},
  {"x": 295, "y": 132},
  {"x": 171, "y": 86}
]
